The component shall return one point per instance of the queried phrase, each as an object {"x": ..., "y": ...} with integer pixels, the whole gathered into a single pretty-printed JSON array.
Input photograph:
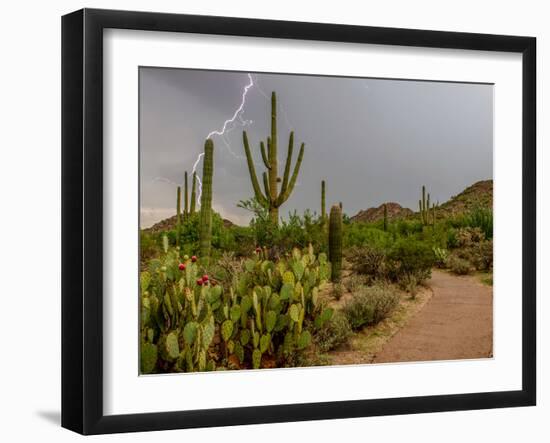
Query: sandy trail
[{"x": 456, "y": 323}]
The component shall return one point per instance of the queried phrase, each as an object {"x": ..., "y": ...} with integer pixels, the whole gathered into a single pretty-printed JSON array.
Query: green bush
[
  {"x": 334, "y": 333},
  {"x": 482, "y": 218},
  {"x": 364, "y": 234},
  {"x": 370, "y": 305},
  {"x": 410, "y": 257},
  {"x": 483, "y": 255}
]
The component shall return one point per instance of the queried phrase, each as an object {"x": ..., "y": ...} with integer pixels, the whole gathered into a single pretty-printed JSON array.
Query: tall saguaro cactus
[
  {"x": 425, "y": 209},
  {"x": 178, "y": 215},
  {"x": 385, "y": 217},
  {"x": 335, "y": 243},
  {"x": 193, "y": 203},
  {"x": 206, "y": 201},
  {"x": 271, "y": 198},
  {"x": 186, "y": 198},
  {"x": 323, "y": 207}
]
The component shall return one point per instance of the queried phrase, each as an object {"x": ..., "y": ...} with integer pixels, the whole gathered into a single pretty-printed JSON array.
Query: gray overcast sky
[{"x": 372, "y": 140}]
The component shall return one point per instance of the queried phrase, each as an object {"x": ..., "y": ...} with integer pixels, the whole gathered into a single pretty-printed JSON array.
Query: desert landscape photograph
[{"x": 306, "y": 220}]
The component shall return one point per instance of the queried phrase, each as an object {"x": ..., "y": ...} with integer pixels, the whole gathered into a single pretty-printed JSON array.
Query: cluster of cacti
[
  {"x": 267, "y": 315},
  {"x": 335, "y": 242},
  {"x": 177, "y": 321},
  {"x": 206, "y": 201},
  {"x": 271, "y": 198},
  {"x": 424, "y": 209}
]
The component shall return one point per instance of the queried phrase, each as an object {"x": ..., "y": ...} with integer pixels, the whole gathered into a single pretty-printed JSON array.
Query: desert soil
[{"x": 456, "y": 323}]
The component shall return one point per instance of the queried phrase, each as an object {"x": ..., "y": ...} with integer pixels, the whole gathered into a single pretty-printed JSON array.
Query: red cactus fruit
[
  {"x": 181, "y": 266},
  {"x": 199, "y": 281},
  {"x": 194, "y": 258},
  {"x": 205, "y": 278}
]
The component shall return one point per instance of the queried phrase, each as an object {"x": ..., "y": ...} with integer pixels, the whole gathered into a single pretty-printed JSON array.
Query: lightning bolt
[{"x": 227, "y": 127}]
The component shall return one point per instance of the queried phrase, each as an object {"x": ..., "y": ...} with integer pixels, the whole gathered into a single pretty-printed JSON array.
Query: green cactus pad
[
  {"x": 190, "y": 332},
  {"x": 208, "y": 331},
  {"x": 245, "y": 336},
  {"x": 294, "y": 312},
  {"x": 227, "y": 329},
  {"x": 270, "y": 320},
  {"x": 264, "y": 342},
  {"x": 256, "y": 358},
  {"x": 303, "y": 340},
  {"x": 144, "y": 280},
  {"x": 286, "y": 291},
  {"x": 235, "y": 313},
  {"x": 288, "y": 277},
  {"x": 239, "y": 352},
  {"x": 171, "y": 350},
  {"x": 149, "y": 357},
  {"x": 298, "y": 269}
]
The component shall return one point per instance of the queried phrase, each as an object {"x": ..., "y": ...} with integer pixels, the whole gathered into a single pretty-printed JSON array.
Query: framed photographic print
[{"x": 269, "y": 221}]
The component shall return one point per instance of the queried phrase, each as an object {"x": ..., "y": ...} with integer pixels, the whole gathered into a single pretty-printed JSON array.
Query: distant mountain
[
  {"x": 395, "y": 211},
  {"x": 478, "y": 194},
  {"x": 170, "y": 223}
]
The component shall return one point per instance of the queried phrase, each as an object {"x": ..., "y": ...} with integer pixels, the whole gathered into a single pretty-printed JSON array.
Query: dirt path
[{"x": 456, "y": 323}]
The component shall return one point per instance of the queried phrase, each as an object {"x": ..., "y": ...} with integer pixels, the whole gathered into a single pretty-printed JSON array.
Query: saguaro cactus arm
[
  {"x": 284, "y": 196},
  {"x": 252, "y": 170},
  {"x": 265, "y": 157},
  {"x": 288, "y": 163}
]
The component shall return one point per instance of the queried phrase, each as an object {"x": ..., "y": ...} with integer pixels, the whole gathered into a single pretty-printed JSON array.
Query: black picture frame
[{"x": 82, "y": 219}]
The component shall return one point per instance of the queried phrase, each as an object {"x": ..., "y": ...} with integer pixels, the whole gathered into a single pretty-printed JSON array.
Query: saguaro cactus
[
  {"x": 385, "y": 217},
  {"x": 178, "y": 216},
  {"x": 206, "y": 201},
  {"x": 424, "y": 207},
  {"x": 193, "y": 203},
  {"x": 186, "y": 198},
  {"x": 271, "y": 198},
  {"x": 323, "y": 207},
  {"x": 335, "y": 243}
]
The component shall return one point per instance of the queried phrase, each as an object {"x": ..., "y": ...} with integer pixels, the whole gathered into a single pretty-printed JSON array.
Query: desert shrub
[
  {"x": 409, "y": 282},
  {"x": 354, "y": 282},
  {"x": 452, "y": 241},
  {"x": 337, "y": 291},
  {"x": 410, "y": 257},
  {"x": 458, "y": 265},
  {"x": 334, "y": 333},
  {"x": 366, "y": 260},
  {"x": 407, "y": 228},
  {"x": 369, "y": 305},
  {"x": 440, "y": 256},
  {"x": 467, "y": 237},
  {"x": 482, "y": 218},
  {"x": 364, "y": 234},
  {"x": 482, "y": 255}
]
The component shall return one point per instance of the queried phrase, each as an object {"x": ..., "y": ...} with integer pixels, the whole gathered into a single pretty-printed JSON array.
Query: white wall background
[{"x": 30, "y": 218}]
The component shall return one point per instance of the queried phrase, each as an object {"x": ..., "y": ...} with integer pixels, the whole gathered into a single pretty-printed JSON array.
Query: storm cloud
[{"x": 372, "y": 140}]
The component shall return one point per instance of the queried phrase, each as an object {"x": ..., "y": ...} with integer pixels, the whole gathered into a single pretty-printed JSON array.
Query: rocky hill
[
  {"x": 395, "y": 211},
  {"x": 170, "y": 223},
  {"x": 478, "y": 194}
]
